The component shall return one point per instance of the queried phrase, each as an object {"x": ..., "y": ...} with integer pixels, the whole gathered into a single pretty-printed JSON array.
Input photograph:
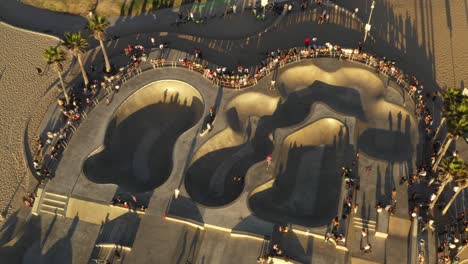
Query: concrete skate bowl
[
  {"x": 307, "y": 183},
  {"x": 231, "y": 152},
  {"x": 388, "y": 130},
  {"x": 139, "y": 141}
]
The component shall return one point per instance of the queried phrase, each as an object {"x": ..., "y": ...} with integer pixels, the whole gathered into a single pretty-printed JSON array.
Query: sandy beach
[{"x": 25, "y": 97}]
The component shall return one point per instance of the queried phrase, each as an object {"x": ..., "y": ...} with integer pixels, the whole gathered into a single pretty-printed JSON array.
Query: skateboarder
[{"x": 209, "y": 120}]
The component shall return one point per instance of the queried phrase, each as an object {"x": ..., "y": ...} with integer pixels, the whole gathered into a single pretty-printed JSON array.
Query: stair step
[
  {"x": 364, "y": 224},
  {"x": 51, "y": 211},
  {"x": 53, "y": 202},
  {"x": 54, "y": 207},
  {"x": 370, "y": 228},
  {"x": 56, "y": 196},
  {"x": 357, "y": 219}
]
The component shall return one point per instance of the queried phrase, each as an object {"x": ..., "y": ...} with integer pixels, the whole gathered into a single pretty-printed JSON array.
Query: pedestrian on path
[
  {"x": 153, "y": 41},
  {"x": 368, "y": 169},
  {"x": 355, "y": 208},
  {"x": 272, "y": 85},
  {"x": 335, "y": 224},
  {"x": 268, "y": 159},
  {"x": 394, "y": 195},
  {"x": 378, "y": 207},
  {"x": 367, "y": 248},
  {"x": 363, "y": 233}
]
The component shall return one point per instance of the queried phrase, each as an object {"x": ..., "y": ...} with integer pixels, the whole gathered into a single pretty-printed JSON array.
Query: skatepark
[
  {"x": 213, "y": 196},
  {"x": 311, "y": 124}
]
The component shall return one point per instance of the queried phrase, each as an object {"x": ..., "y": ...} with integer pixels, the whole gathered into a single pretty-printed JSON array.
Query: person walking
[
  {"x": 153, "y": 41},
  {"x": 394, "y": 195},
  {"x": 367, "y": 248},
  {"x": 272, "y": 84}
]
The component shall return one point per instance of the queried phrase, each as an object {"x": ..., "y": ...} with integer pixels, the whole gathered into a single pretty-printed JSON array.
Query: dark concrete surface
[{"x": 138, "y": 146}]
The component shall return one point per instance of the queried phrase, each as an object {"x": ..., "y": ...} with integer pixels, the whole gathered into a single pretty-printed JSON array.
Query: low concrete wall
[{"x": 94, "y": 212}]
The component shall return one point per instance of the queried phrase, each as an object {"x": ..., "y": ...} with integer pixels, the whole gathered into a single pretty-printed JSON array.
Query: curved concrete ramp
[
  {"x": 249, "y": 104},
  {"x": 211, "y": 177},
  {"x": 358, "y": 92},
  {"x": 306, "y": 188},
  {"x": 300, "y": 77},
  {"x": 207, "y": 162},
  {"x": 137, "y": 150}
]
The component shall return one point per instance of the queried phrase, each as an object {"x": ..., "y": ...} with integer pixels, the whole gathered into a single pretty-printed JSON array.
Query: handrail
[{"x": 244, "y": 80}]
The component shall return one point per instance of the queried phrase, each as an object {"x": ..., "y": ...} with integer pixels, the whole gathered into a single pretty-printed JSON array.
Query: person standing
[
  {"x": 268, "y": 160},
  {"x": 153, "y": 41},
  {"x": 307, "y": 43}
]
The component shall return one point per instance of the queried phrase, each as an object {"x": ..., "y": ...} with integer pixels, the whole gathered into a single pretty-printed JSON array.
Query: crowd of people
[
  {"x": 29, "y": 199},
  {"x": 132, "y": 203},
  {"x": 452, "y": 237}
]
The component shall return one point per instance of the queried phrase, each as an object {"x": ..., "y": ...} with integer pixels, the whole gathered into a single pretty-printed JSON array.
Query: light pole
[
  {"x": 264, "y": 3},
  {"x": 368, "y": 25}
]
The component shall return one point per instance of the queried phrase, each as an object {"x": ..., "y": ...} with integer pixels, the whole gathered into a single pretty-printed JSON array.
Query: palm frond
[
  {"x": 55, "y": 56},
  {"x": 456, "y": 111},
  {"x": 97, "y": 27},
  {"x": 75, "y": 43}
]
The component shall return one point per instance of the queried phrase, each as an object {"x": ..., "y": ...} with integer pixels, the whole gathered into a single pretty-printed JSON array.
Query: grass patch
[{"x": 108, "y": 7}]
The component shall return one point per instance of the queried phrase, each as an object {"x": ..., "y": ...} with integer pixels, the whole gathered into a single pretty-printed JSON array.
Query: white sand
[{"x": 23, "y": 97}]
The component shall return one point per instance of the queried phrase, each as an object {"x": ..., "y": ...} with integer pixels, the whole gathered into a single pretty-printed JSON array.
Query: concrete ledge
[
  {"x": 113, "y": 246},
  {"x": 204, "y": 226},
  {"x": 218, "y": 228},
  {"x": 383, "y": 220},
  {"x": 305, "y": 233},
  {"x": 184, "y": 221},
  {"x": 381, "y": 235},
  {"x": 35, "y": 208},
  {"x": 95, "y": 212},
  {"x": 277, "y": 260},
  {"x": 321, "y": 237},
  {"x": 241, "y": 234},
  {"x": 135, "y": 211}
]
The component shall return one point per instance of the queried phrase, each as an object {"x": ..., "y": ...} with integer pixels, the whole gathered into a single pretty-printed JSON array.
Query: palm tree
[
  {"x": 97, "y": 27},
  {"x": 455, "y": 113},
  {"x": 55, "y": 56},
  {"x": 451, "y": 167},
  {"x": 76, "y": 45},
  {"x": 461, "y": 179}
]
